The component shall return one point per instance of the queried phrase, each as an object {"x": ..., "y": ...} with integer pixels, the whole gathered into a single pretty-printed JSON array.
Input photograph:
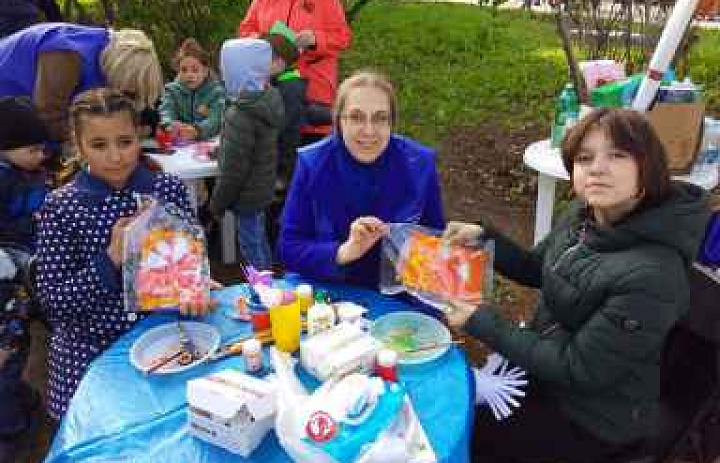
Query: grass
[
  {"x": 459, "y": 64},
  {"x": 704, "y": 66}
]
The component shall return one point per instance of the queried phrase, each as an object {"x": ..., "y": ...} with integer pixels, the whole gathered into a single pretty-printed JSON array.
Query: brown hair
[
  {"x": 100, "y": 102},
  {"x": 191, "y": 48},
  {"x": 365, "y": 78},
  {"x": 96, "y": 102},
  {"x": 631, "y": 132}
]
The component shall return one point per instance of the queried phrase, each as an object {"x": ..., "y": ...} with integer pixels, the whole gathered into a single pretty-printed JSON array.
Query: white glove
[
  {"x": 497, "y": 386},
  {"x": 7, "y": 266}
]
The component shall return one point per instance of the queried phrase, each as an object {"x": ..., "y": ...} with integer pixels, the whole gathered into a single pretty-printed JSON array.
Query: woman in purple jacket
[
  {"x": 348, "y": 186},
  {"x": 52, "y": 62}
]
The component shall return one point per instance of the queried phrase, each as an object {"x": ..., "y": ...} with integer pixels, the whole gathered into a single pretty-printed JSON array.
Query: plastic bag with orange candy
[
  {"x": 166, "y": 264},
  {"x": 416, "y": 260}
]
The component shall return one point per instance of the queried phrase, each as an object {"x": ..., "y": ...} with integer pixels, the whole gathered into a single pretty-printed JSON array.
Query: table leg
[
  {"x": 544, "y": 206},
  {"x": 227, "y": 229},
  {"x": 229, "y": 240}
]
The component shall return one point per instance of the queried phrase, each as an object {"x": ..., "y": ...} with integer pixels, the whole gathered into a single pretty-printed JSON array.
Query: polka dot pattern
[{"x": 79, "y": 287}]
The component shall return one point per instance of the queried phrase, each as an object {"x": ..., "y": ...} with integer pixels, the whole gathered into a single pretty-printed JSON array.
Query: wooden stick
[{"x": 435, "y": 345}]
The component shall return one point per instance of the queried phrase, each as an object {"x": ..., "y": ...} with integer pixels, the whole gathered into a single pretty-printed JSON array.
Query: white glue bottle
[
  {"x": 320, "y": 317},
  {"x": 252, "y": 353}
]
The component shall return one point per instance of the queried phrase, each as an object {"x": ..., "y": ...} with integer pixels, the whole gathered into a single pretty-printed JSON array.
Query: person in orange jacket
[{"x": 322, "y": 33}]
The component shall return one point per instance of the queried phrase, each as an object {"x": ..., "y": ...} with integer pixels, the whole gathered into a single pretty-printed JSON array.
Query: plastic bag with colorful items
[
  {"x": 415, "y": 259},
  {"x": 165, "y": 262},
  {"x": 358, "y": 418}
]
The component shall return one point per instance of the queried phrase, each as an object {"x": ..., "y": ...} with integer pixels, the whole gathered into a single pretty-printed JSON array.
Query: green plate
[{"x": 404, "y": 331}]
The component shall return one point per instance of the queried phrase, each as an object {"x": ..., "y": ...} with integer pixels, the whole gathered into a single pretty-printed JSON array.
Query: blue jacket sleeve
[
  {"x": 298, "y": 246},
  {"x": 433, "y": 215}
]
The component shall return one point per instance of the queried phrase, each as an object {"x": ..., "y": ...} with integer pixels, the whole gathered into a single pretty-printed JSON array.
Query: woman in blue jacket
[{"x": 348, "y": 186}]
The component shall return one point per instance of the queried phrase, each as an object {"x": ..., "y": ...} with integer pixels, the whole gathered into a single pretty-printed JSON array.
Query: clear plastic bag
[
  {"x": 165, "y": 261},
  {"x": 416, "y": 260},
  {"x": 402, "y": 439}
]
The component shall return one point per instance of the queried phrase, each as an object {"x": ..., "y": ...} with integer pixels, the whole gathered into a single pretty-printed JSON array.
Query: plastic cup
[{"x": 286, "y": 326}]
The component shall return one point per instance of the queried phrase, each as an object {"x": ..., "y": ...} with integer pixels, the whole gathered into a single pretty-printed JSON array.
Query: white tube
[{"x": 667, "y": 46}]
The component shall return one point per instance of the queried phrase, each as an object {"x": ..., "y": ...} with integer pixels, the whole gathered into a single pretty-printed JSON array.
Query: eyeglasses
[{"x": 357, "y": 119}]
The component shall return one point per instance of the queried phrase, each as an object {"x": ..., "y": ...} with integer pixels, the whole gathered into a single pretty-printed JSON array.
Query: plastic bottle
[
  {"x": 386, "y": 365},
  {"x": 320, "y": 317},
  {"x": 572, "y": 107},
  {"x": 252, "y": 353},
  {"x": 567, "y": 110},
  {"x": 304, "y": 296}
]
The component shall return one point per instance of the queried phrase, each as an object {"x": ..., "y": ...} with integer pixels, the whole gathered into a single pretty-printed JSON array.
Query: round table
[
  {"x": 547, "y": 161},
  {"x": 119, "y": 414}
]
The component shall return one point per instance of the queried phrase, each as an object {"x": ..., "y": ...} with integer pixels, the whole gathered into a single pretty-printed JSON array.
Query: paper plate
[
  {"x": 165, "y": 340},
  {"x": 402, "y": 331}
]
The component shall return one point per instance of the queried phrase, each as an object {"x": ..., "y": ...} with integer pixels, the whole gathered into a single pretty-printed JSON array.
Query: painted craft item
[
  {"x": 418, "y": 261},
  {"x": 166, "y": 264}
]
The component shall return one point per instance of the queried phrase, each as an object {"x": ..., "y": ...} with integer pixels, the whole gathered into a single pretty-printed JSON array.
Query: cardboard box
[
  {"x": 679, "y": 126},
  {"x": 231, "y": 409}
]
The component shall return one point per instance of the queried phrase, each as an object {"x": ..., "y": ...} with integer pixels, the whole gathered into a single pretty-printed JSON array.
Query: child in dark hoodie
[
  {"x": 247, "y": 155},
  {"x": 23, "y": 186},
  {"x": 192, "y": 105}
]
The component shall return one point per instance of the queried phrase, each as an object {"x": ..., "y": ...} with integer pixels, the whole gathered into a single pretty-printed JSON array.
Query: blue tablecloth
[{"x": 120, "y": 415}]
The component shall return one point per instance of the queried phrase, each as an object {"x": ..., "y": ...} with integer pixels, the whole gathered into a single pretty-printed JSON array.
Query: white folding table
[{"x": 192, "y": 171}]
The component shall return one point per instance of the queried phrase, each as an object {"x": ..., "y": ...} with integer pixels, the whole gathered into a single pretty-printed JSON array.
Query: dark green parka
[
  {"x": 609, "y": 299},
  {"x": 247, "y": 155}
]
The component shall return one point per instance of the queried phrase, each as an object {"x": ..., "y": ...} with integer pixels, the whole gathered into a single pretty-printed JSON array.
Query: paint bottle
[
  {"x": 304, "y": 295},
  {"x": 252, "y": 353},
  {"x": 386, "y": 365},
  {"x": 320, "y": 317}
]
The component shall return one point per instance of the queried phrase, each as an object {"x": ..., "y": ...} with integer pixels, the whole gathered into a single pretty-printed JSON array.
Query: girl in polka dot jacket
[{"x": 80, "y": 242}]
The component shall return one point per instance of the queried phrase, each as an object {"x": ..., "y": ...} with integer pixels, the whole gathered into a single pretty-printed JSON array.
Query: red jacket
[{"x": 326, "y": 18}]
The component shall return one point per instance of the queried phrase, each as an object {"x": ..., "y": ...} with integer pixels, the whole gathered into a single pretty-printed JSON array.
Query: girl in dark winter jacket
[{"x": 613, "y": 279}]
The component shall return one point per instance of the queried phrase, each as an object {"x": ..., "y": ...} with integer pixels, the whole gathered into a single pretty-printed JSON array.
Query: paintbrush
[{"x": 434, "y": 345}]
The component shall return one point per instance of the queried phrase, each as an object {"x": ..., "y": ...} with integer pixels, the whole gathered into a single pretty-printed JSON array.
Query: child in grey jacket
[{"x": 247, "y": 155}]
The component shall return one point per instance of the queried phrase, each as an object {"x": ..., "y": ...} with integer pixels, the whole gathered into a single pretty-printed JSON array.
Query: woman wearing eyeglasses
[{"x": 348, "y": 186}]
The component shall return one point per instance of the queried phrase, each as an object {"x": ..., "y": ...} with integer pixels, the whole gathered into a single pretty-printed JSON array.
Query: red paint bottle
[{"x": 386, "y": 365}]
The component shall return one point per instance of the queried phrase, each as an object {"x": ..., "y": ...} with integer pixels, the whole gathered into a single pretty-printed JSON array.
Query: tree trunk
[{"x": 570, "y": 55}]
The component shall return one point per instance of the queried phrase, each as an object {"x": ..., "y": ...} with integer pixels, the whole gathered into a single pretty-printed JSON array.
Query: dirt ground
[{"x": 482, "y": 177}]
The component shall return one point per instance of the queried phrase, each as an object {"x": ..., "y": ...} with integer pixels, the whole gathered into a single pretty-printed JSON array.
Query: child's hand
[
  {"x": 463, "y": 234},
  {"x": 187, "y": 132},
  {"x": 305, "y": 39},
  {"x": 116, "y": 249},
  {"x": 364, "y": 233},
  {"x": 460, "y": 312},
  {"x": 197, "y": 309}
]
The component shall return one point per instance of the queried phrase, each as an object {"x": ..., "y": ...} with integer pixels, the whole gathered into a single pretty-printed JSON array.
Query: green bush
[
  {"x": 168, "y": 22},
  {"x": 704, "y": 63}
]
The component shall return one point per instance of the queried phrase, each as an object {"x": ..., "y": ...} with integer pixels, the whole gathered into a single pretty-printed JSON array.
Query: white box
[
  {"x": 231, "y": 409},
  {"x": 341, "y": 350}
]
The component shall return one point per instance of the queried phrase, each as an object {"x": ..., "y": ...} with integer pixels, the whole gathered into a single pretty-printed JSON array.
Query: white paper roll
[{"x": 667, "y": 46}]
